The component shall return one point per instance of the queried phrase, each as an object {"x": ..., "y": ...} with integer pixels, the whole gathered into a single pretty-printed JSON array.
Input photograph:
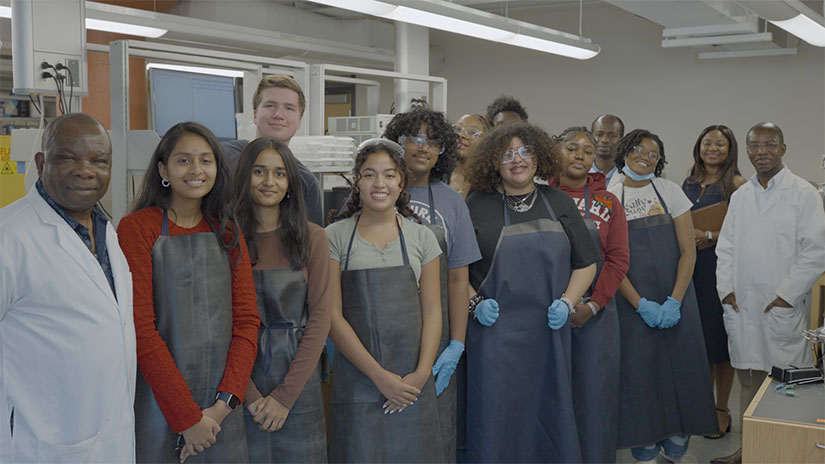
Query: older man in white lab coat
[
  {"x": 771, "y": 250},
  {"x": 67, "y": 337}
]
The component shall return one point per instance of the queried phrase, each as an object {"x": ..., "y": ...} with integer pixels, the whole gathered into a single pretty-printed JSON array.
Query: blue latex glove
[
  {"x": 557, "y": 314},
  {"x": 445, "y": 365},
  {"x": 651, "y": 312},
  {"x": 487, "y": 312},
  {"x": 671, "y": 313}
]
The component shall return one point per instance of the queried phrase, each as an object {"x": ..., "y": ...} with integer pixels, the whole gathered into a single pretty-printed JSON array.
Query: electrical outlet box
[{"x": 52, "y": 32}]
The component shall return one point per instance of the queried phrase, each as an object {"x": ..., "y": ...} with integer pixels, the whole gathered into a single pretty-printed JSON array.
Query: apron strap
[
  {"x": 164, "y": 227},
  {"x": 280, "y": 324},
  {"x": 586, "y": 202},
  {"x": 432, "y": 206},
  {"x": 404, "y": 254},
  {"x": 661, "y": 200}
]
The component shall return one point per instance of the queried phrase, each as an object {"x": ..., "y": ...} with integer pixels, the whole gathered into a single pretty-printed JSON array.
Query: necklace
[{"x": 523, "y": 204}]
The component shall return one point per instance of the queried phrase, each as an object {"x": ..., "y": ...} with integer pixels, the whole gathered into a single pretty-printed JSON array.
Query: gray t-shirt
[
  {"x": 309, "y": 184},
  {"x": 422, "y": 247},
  {"x": 451, "y": 213}
]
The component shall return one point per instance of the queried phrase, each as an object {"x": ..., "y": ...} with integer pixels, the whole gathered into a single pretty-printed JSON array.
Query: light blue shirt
[{"x": 607, "y": 176}]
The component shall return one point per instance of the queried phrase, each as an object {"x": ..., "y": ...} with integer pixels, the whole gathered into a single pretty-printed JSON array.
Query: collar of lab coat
[
  {"x": 780, "y": 181},
  {"x": 69, "y": 241}
]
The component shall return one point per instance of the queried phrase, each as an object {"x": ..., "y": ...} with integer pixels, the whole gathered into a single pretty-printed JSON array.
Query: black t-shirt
[{"x": 487, "y": 214}]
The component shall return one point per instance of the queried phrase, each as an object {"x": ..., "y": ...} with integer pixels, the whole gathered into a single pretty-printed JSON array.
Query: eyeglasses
[
  {"x": 769, "y": 146},
  {"x": 642, "y": 151},
  {"x": 422, "y": 141},
  {"x": 468, "y": 131},
  {"x": 525, "y": 152}
]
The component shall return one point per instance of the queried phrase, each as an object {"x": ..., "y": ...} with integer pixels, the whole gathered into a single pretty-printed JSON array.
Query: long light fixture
[
  {"x": 109, "y": 26},
  {"x": 792, "y": 16},
  {"x": 196, "y": 70},
  {"x": 450, "y": 17}
]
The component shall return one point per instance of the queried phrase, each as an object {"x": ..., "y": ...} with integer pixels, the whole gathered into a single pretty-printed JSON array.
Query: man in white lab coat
[
  {"x": 67, "y": 337},
  {"x": 771, "y": 250}
]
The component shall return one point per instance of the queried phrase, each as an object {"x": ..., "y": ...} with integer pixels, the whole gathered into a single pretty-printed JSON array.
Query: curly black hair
[
  {"x": 483, "y": 166},
  {"x": 634, "y": 138},
  {"x": 438, "y": 128},
  {"x": 506, "y": 103}
]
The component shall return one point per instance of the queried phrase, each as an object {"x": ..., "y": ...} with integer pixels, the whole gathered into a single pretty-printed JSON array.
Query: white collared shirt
[{"x": 764, "y": 194}]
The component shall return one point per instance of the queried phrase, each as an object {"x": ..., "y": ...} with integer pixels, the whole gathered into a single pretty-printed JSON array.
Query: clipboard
[{"x": 709, "y": 218}]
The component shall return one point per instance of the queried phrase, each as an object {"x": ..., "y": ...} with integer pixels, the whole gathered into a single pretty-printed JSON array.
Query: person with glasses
[
  {"x": 771, "y": 250},
  {"x": 712, "y": 180},
  {"x": 537, "y": 260},
  {"x": 430, "y": 153},
  {"x": 469, "y": 129},
  {"x": 595, "y": 342},
  {"x": 386, "y": 324},
  {"x": 665, "y": 389}
]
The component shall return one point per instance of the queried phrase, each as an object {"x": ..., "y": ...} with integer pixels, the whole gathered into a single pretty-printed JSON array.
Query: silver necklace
[{"x": 521, "y": 205}]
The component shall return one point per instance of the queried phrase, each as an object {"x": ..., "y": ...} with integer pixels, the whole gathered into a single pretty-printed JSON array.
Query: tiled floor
[{"x": 701, "y": 449}]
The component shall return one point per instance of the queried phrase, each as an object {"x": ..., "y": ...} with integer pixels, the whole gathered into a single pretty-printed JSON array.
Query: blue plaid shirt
[{"x": 99, "y": 221}]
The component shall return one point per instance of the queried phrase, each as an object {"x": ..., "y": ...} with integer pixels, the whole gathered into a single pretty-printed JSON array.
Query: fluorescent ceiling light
[
  {"x": 196, "y": 70},
  {"x": 108, "y": 26},
  {"x": 123, "y": 28},
  {"x": 510, "y": 33},
  {"x": 805, "y": 28}
]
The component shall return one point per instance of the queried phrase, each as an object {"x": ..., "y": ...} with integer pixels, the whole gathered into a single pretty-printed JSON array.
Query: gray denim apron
[
  {"x": 519, "y": 400},
  {"x": 665, "y": 381},
  {"x": 282, "y": 307},
  {"x": 446, "y": 401},
  {"x": 596, "y": 358},
  {"x": 384, "y": 309},
  {"x": 192, "y": 289}
]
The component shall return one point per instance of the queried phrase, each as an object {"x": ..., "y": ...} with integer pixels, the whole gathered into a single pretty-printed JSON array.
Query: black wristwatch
[{"x": 228, "y": 398}]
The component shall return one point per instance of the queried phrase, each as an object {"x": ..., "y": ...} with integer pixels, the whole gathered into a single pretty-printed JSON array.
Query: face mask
[{"x": 638, "y": 178}]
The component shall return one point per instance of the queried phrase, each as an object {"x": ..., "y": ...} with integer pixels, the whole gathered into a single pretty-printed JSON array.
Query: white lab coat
[
  {"x": 778, "y": 251},
  {"x": 67, "y": 347}
]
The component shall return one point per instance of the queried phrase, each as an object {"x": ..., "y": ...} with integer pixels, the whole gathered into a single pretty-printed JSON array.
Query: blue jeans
[{"x": 675, "y": 447}]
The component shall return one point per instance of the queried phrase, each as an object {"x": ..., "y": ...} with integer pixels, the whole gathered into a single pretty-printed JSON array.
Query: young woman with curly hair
[
  {"x": 469, "y": 129},
  {"x": 664, "y": 386},
  {"x": 290, "y": 264},
  {"x": 386, "y": 325},
  {"x": 537, "y": 259},
  {"x": 430, "y": 143},
  {"x": 595, "y": 341}
]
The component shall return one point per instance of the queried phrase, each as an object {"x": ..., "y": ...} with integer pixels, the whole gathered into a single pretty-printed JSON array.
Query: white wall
[{"x": 668, "y": 91}]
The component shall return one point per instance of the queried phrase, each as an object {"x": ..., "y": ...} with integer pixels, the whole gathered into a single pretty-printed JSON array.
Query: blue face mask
[{"x": 638, "y": 178}]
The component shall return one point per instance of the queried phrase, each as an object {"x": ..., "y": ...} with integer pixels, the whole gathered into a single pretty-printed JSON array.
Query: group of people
[{"x": 493, "y": 293}]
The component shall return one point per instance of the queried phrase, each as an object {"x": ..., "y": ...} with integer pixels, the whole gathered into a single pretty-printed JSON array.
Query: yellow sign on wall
[{"x": 12, "y": 187}]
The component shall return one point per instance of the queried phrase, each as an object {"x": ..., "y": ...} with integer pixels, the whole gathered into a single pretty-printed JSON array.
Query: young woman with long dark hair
[
  {"x": 290, "y": 263},
  {"x": 194, "y": 303}
]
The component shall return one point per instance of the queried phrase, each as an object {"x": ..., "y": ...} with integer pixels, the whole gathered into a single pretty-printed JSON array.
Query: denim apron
[
  {"x": 282, "y": 307},
  {"x": 192, "y": 289},
  {"x": 595, "y": 355},
  {"x": 519, "y": 400},
  {"x": 384, "y": 309},
  {"x": 664, "y": 377}
]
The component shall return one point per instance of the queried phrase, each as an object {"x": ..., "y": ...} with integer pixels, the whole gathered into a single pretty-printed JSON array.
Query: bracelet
[
  {"x": 709, "y": 235},
  {"x": 569, "y": 303},
  {"x": 592, "y": 307},
  {"x": 474, "y": 301}
]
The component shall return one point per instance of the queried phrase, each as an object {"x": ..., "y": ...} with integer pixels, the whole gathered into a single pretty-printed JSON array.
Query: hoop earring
[{"x": 165, "y": 183}]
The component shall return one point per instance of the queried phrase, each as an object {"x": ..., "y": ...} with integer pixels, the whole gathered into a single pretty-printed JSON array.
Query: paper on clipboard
[{"x": 709, "y": 218}]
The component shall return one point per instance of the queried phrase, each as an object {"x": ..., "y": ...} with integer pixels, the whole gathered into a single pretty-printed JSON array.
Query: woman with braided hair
[{"x": 386, "y": 325}]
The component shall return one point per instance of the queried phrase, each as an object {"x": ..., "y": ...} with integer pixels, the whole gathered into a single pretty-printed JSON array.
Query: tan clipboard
[{"x": 709, "y": 218}]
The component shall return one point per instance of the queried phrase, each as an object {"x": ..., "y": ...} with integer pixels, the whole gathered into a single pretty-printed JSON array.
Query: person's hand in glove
[
  {"x": 651, "y": 312},
  {"x": 445, "y": 365},
  {"x": 557, "y": 314},
  {"x": 487, "y": 312},
  {"x": 671, "y": 313}
]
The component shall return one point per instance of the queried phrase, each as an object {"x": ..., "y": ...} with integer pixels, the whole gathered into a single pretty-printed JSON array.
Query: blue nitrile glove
[
  {"x": 671, "y": 313},
  {"x": 487, "y": 312},
  {"x": 557, "y": 314},
  {"x": 445, "y": 365},
  {"x": 650, "y": 311}
]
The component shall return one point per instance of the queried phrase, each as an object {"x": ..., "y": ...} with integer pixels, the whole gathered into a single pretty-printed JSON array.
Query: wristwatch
[
  {"x": 228, "y": 398},
  {"x": 709, "y": 235}
]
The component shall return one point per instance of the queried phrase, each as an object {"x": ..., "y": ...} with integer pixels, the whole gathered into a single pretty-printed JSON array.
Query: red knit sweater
[{"x": 137, "y": 234}]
